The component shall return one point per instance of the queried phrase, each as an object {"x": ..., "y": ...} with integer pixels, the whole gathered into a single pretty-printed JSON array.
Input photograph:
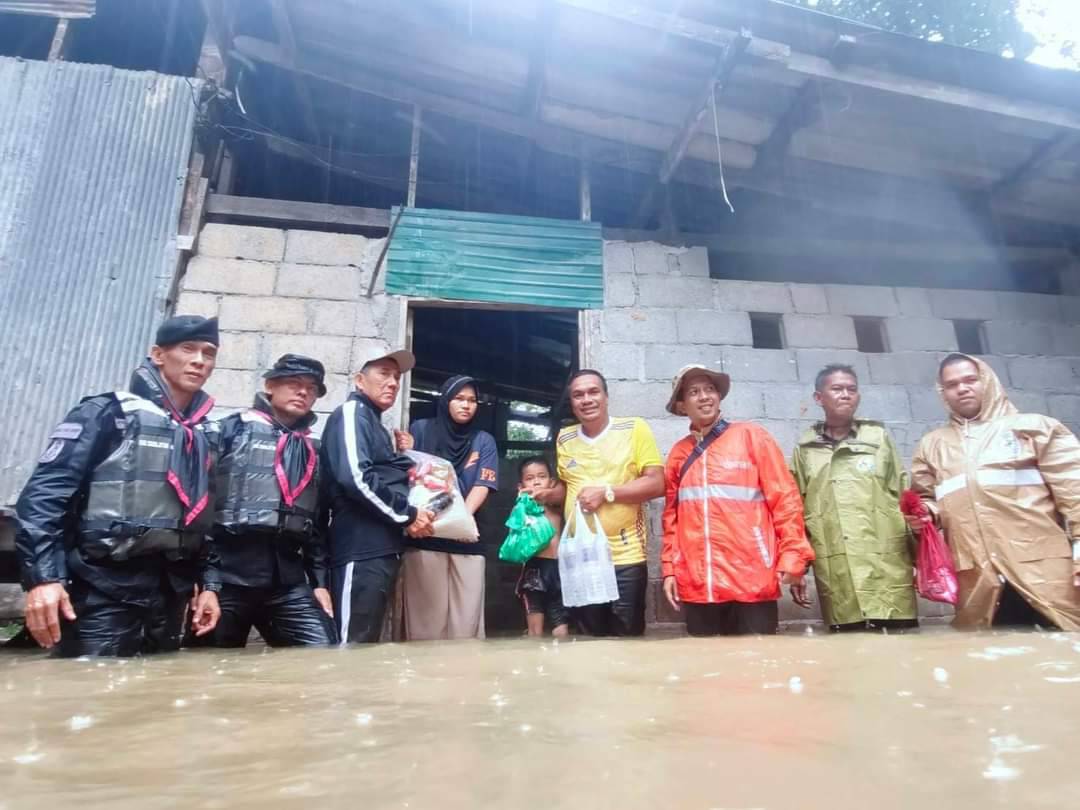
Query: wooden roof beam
[
  {"x": 546, "y": 14},
  {"x": 1023, "y": 175},
  {"x": 801, "y": 113}
]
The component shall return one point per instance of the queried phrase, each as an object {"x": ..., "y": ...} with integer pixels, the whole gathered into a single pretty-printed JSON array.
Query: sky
[{"x": 1053, "y": 23}]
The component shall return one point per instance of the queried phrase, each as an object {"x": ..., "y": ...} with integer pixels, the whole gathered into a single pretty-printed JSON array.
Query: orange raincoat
[
  {"x": 734, "y": 522},
  {"x": 1002, "y": 485}
]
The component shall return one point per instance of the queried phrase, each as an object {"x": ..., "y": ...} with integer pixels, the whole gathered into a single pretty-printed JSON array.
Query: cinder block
[
  {"x": 667, "y": 431},
  {"x": 861, "y": 299},
  {"x": 621, "y": 361},
  {"x": 1029, "y": 401},
  {"x": 239, "y": 350},
  {"x": 257, "y": 314},
  {"x": 338, "y": 388},
  {"x": 745, "y": 401},
  {"x": 619, "y": 290},
  {"x": 333, "y": 352},
  {"x": 920, "y": 335},
  {"x": 197, "y": 303},
  {"x": 926, "y": 403},
  {"x": 232, "y": 388},
  {"x": 885, "y": 403},
  {"x": 618, "y": 258},
  {"x": 759, "y": 365},
  {"x": 752, "y": 296},
  {"x": 694, "y": 261},
  {"x": 716, "y": 328},
  {"x": 1070, "y": 308},
  {"x": 976, "y": 305},
  {"x": 1065, "y": 408},
  {"x": 632, "y": 398},
  {"x": 663, "y": 361},
  {"x": 1018, "y": 306},
  {"x": 819, "y": 331},
  {"x": 906, "y": 434},
  {"x": 790, "y": 402},
  {"x": 212, "y": 274},
  {"x": 1000, "y": 366},
  {"x": 903, "y": 368},
  {"x": 332, "y": 249},
  {"x": 373, "y": 318},
  {"x": 811, "y": 361},
  {"x": 332, "y": 317},
  {"x": 914, "y": 302},
  {"x": 1066, "y": 340},
  {"x": 1042, "y": 373},
  {"x": 674, "y": 291},
  {"x": 651, "y": 259},
  {"x": 242, "y": 242},
  {"x": 785, "y": 432},
  {"x": 318, "y": 281},
  {"x": 1019, "y": 337},
  {"x": 639, "y": 326},
  {"x": 809, "y": 299}
]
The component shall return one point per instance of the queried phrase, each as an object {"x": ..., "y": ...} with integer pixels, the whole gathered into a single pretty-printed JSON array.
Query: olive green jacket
[{"x": 851, "y": 491}]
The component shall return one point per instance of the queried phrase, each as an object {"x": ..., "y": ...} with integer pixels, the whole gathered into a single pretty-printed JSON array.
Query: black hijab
[{"x": 444, "y": 437}]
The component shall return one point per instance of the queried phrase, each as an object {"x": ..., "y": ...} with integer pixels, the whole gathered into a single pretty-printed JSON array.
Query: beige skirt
[{"x": 442, "y": 595}]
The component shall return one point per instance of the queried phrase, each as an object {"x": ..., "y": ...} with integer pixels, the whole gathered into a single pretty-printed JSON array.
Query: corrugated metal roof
[
  {"x": 92, "y": 168},
  {"x": 468, "y": 256},
  {"x": 51, "y": 8}
]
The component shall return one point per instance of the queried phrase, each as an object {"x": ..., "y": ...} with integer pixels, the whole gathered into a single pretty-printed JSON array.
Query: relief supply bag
[
  {"x": 530, "y": 531},
  {"x": 433, "y": 485},
  {"x": 585, "y": 567},
  {"x": 935, "y": 574}
]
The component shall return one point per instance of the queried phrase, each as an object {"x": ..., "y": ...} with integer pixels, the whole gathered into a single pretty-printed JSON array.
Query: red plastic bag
[{"x": 935, "y": 574}]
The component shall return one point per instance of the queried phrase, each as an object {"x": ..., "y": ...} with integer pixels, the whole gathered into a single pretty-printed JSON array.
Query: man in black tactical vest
[
  {"x": 269, "y": 565},
  {"x": 112, "y": 523}
]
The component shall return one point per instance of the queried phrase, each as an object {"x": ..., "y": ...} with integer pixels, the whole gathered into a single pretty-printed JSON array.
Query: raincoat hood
[{"x": 995, "y": 403}]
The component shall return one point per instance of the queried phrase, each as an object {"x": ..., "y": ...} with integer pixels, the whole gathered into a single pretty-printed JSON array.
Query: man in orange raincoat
[
  {"x": 733, "y": 518},
  {"x": 1002, "y": 485}
]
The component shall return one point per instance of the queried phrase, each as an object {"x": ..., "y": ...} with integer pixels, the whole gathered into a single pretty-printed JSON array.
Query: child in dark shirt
[{"x": 539, "y": 586}]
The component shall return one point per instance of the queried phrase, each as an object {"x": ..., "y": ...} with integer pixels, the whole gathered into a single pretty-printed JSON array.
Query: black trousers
[
  {"x": 361, "y": 592},
  {"x": 731, "y": 618},
  {"x": 108, "y": 626},
  {"x": 626, "y": 615},
  {"x": 1015, "y": 611},
  {"x": 285, "y": 616}
]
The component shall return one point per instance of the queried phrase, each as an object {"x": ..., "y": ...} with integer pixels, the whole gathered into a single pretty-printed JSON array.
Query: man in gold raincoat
[{"x": 1004, "y": 487}]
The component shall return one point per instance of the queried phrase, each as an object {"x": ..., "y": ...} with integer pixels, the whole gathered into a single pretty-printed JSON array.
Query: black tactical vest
[
  {"x": 131, "y": 509},
  {"x": 249, "y": 491}
]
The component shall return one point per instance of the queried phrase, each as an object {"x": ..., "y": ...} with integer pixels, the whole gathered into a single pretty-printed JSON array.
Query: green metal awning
[{"x": 468, "y": 256}]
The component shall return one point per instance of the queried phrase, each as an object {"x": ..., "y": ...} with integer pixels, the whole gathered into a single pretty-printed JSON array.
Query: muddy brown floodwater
[{"x": 938, "y": 720}]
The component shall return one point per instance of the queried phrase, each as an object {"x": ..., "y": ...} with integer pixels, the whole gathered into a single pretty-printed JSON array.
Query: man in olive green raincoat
[{"x": 851, "y": 477}]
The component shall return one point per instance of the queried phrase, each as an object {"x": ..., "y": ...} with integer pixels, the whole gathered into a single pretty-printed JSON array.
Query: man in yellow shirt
[{"x": 611, "y": 466}]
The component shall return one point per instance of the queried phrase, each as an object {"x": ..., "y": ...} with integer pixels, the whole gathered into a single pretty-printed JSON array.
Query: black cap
[
  {"x": 187, "y": 327},
  {"x": 296, "y": 365}
]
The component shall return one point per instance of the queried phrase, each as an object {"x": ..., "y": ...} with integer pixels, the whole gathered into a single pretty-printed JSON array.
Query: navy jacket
[{"x": 365, "y": 484}]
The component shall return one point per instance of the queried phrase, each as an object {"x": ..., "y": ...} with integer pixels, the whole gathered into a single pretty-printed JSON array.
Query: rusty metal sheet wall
[
  {"x": 51, "y": 8},
  {"x": 93, "y": 162}
]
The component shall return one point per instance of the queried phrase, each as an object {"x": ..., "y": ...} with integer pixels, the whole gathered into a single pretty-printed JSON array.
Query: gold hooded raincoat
[{"x": 1002, "y": 486}]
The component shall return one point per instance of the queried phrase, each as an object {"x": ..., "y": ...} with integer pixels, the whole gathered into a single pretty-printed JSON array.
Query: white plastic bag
[
  {"x": 431, "y": 478},
  {"x": 585, "y": 567}
]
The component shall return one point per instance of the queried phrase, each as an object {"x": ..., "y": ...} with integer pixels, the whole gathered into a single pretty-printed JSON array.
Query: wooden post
[
  {"x": 60, "y": 39},
  {"x": 414, "y": 156},
  {"x": 584, "y": 190}
]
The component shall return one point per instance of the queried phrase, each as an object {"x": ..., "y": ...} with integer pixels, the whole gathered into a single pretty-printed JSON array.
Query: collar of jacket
[
  {"x": 301, "y": 425},
  {"x": 146, "y": 382},
  {"x": 365, "y": 400},
  {"x": 857, "y": 435}
]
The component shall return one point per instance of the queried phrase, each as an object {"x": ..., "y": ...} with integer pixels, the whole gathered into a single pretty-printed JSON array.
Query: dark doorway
[{"x": 521, "y": 360}]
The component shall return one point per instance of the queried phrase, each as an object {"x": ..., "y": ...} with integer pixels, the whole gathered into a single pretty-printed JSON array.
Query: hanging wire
[{"x": 719, "y": 154}]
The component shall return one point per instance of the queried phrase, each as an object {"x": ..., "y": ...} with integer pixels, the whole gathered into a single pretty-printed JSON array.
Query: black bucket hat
[{"x": 296, "y": 365}]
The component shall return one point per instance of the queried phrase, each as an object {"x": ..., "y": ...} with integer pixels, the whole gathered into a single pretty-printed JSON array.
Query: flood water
[{"x": 936, "y": 720}]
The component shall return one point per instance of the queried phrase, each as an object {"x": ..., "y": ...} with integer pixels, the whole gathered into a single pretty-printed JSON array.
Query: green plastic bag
[{"x": 530, "y": 531}]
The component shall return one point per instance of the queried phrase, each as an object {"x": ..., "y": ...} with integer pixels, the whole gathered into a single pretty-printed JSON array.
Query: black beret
[{"x": 187, "y": 327}]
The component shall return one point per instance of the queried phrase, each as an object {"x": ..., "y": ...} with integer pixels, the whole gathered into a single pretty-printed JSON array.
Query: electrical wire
[{"x": 719, "y": 154}]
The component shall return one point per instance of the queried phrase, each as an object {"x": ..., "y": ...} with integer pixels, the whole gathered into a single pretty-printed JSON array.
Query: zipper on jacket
[{"x": 708, "y": 543}]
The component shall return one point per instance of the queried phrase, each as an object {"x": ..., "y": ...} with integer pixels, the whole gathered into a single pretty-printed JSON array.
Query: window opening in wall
[
  {"x": 870, "y": 335},
  {"x": 969, "y": 336},
  {"x": 766, "y": 330}
]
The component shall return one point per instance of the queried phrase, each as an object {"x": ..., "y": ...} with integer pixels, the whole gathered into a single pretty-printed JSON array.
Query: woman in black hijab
[{"x": 444, "y": 579}]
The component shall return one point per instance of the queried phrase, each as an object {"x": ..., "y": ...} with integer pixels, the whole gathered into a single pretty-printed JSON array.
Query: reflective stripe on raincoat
[
  {"x": 1002, "y": 485},
  {"x": 851, "y": 490},
  {"x": 734, "y": 521}
]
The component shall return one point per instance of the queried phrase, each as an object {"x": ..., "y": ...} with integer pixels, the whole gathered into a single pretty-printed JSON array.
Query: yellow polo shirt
[{"x": 618, "y": 455}]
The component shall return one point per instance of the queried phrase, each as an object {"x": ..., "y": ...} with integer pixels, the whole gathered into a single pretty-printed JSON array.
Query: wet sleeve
[
  {"x": 49, "y": 497},
  {"x": 347, "y": 461},
  {"x": 670, "y": 544},
  {"x": 316, "y": 560},
  {"x": 924, "y": 478},
  {"x": 794, "y": 552},
  {"x": 646, "y": 453},
  {"x": 488, "y": 473},
  {"x": 1058, "y": 454},
  {"x": 798, "y": 472}
]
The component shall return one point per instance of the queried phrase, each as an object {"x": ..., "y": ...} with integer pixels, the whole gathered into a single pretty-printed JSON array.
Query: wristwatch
[{"x": 609, "y": 494}]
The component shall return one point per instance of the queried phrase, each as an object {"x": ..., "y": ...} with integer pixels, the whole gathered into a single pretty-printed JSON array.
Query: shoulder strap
[{"x": 702, "y": 446}]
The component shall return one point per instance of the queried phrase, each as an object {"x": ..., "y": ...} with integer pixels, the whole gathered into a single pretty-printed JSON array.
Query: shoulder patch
[
  {"x": 67, "y": 430},
  {"x": 52, "y": 452}
]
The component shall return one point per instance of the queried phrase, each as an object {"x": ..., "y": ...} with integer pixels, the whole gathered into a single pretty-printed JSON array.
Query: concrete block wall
[{"x": 278, "y": 291}]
